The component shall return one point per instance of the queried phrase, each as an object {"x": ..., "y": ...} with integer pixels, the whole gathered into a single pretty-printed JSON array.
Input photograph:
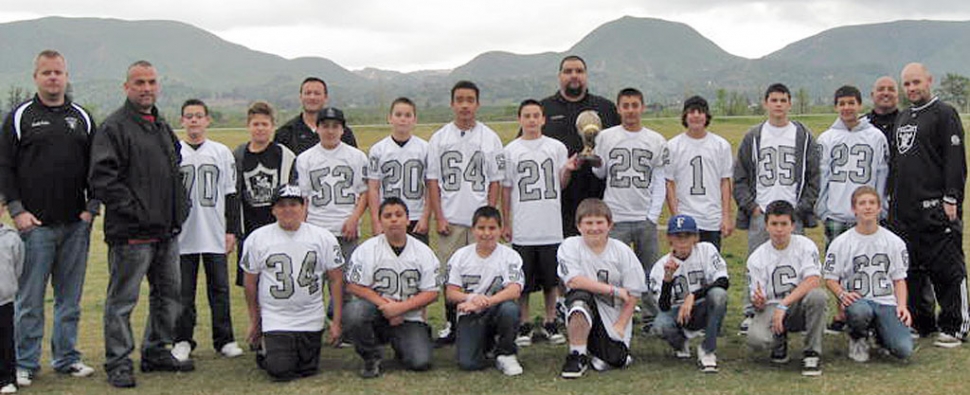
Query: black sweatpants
[
  {"x": 291, "y": 355},
  {"x": 8, "y": 353}
]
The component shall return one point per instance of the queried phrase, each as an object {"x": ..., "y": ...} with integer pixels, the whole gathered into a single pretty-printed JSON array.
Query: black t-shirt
[{"x": 261, "y": 176}]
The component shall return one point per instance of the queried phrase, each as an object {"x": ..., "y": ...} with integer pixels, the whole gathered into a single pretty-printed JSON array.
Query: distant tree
[
  {"x": 720, "y": 102},
  {"x": 802, "y": 101},
  {"x": 955, "y": 89},
  {"x": 15, "y": 96}
]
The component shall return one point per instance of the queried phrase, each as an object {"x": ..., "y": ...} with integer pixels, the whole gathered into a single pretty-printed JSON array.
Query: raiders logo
[{"x": 905, "y": 138}]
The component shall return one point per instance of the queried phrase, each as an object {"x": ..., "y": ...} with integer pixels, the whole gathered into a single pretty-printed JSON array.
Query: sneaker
[
  {"x": 946, "y": 340},
  {"x": 9, "y": 389},
  {"x": 78, "y": 369},
  {"x": 24, "y": 378},
  {"x": 561, "y": 311},
  {"x": 859, "y": 349},
  {"x": 182, "y": 350},
  {"x": 166, "y": 363},
  {"x": 745, "y": 324},
  {"x": 550, "y": 331},
  {"x": 835, "y": 327},
  {"x": 689, "y": 334},
  {"x": 524, "y": 338},
  {"x": 508, "y": 365},
  {"x": 811, "y": 364},
  {"x": 446, "y": 336},
  {"x": 372, "y": 369},
  {"x": 706, "y": 360},
  {"x": 684, "y": 351},
  {"x": 779, "y": 355},
  {"x": 121, "y": 377},
  {"x": 576, "y": 364},
  {"x": 230, "y": 350},
  {"x": 598, "y": 365}
]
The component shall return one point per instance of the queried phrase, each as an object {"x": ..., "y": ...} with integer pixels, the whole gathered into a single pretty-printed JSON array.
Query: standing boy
[{"x": 11, "y": 266}]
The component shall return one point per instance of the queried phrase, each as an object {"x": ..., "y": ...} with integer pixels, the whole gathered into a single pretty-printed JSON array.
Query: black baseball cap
[
  {"x": 331, "y": 113},
  {"x": 287, "y": 191}
]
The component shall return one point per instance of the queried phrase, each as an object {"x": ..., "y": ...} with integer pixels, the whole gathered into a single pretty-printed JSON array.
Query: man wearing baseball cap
[{"x": 692, "y": 283}]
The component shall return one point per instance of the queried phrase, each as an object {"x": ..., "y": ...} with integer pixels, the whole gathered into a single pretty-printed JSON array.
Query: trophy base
[{"x": 592, "y": 160}]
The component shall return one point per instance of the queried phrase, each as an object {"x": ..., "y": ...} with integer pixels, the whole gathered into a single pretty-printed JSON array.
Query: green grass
[{"x": 656, "y": 371}]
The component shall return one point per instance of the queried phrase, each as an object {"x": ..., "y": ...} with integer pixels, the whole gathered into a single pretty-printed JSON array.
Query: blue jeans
[
  {"x": 708, "y": 314},
  {"x": 127, "y": 265},
  {"x": 368, "y": 330},
  {"x": 643, "y": 236},
  {"x": 58, "y": 253},
  {"x": 890, "y": 331},
  {"x": 217, "y": 291},
  {"x": 477, "y": 333}
]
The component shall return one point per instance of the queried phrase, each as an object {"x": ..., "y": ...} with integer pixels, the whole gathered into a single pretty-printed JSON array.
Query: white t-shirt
[
  {"x": 630, "y": 160},
  {"x": 331, "y": 181},
  {"x": 401, "y": 171},
  {"x": 868, "y": 264},
  {"x": 485, "y": 276},
  {"x": 850, "y": 159},
  {"x": 397, "y": 277},
  {"x": 532, "y": 171},
  {"x": 702, "y": 268},
  {"x": 780, "y": 272},
  {"x": 617, "y": 265},
  {"x": 697, "y": 167},
  {"x": 776, "y": 166},
  {"x": 464, "y": 162},
  {"x": 291, "y": 268},
  {"x": 209, "y": 174}
]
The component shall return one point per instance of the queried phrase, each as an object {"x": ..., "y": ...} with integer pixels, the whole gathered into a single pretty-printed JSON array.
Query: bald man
[
  {"x": 930, "y": 173},
  {"x": 885, "y": 100}
]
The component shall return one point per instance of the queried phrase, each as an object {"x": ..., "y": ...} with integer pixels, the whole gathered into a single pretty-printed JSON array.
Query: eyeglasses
[{"x": 194, "y": 115}]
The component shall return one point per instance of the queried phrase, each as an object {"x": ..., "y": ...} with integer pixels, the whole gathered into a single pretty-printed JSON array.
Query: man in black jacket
[
  {"x": 135, "y": 173},
  {"x": 300, "y": 133}
]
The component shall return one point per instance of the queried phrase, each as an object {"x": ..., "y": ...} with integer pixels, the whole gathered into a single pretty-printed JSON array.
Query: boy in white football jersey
[
  {"x": 604, "y": 280},
  {"x": 854, "y": 153},
  {"x": 699, "y": 174},
  {"x": 397, "y": 167},
  {"x": 537, "y": 169},
  {"x": 692, "y": 283},
  {"x": 484, "y": 282},
  {"x": 865, "y": 267},
  {"x": 209, "y": 233},
  {"x": 465, "y": 166},
  {"x": 633, "y": 166},
  {"x": 284, "y": 262},
  {"x": 393, "y": 276},
  {"x": 784, "y": 291}
]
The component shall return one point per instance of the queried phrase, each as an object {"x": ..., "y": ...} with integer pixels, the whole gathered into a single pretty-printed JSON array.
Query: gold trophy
[{"x": 588, "y": 125}]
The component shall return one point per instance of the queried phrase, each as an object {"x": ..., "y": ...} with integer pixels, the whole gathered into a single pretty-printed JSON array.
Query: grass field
[{"x": 656, "y": 371}]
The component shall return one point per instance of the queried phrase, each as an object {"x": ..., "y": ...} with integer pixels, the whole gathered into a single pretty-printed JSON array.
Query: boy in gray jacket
[{"x": 11, "y": 265}]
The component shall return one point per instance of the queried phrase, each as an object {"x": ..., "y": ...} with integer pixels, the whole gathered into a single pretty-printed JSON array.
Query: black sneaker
[
  {"x": 372, "y": 369},
  {"x": 835, "y": 327},
  {"x": 121, "y": 377},
  {"x": 779, "y": 355},
  {"x": 576, "y": 364},
  {"x": 811, "y": 364},
  {"x": 166, "y": 363},
  {"x": 524, "y": 337},
  {"x": 551, "y": 332}
]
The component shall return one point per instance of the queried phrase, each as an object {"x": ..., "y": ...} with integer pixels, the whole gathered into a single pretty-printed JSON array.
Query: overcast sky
[{"x": 442, "y": 34}]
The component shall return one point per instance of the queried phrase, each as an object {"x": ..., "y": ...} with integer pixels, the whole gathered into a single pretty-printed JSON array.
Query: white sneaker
[
  {"x": 707, "y": 360},
  {"x": 9, "y": 389},
  {"x": 684, "y": 351},
  {"x": 745, "y": 324},
  {"x": 182, "y": 350},
  {"x": 231, "y": 350},
  {"x": 446, "y": 331},
  {"x": 946, "y": 340},
  {"x": 859, "y": 349},
  {"x": 78, "y": 369},
  {"x": 508, "y": 365},
  {"x": 598, "y": 365},
  {"x": 24, "y": 378}
]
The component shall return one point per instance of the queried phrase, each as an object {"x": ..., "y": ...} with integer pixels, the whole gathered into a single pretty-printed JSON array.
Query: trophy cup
[{"x": 588, "y": 125}]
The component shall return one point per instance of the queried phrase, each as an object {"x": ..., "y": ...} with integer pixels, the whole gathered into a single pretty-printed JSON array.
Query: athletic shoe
[
  {"x": 946, "y": 340},
  {"x": 576, "y": 364},
  {"x": 684, "y": 351},
  {"x": 550, "y": 331},
  {"x": 166, "y": 363},
  {"x": 859, "y": 349},
  {"x": 182, "y": 350},
  {"x": 230, "y": 350},
  {"x": 24, "y": 378},
  {"x": 689, "y": 334},
  {"x": 446, "y": 336},
  {"x": 78, "y": 369},
  {"x": 745, "y": 324},
  {"x": 9, "y": 389},
  {"x": 706, "y": 360},
  {"x": 779, "y": 355},
  {"x": 372, "y": 369},
  {"x": 524, "y": 338},
  {"x": 508, "y": 365},
  {"x": 561, "y": 310},
  {"x": 835, "y": 327},
  {"x": 811, "y": 364},
  {"x": 121, "y": 377}
]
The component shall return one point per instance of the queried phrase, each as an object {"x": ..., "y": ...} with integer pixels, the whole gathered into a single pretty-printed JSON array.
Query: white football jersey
[
  {"x": 702, "y": 268},
  {"x": 401, "y": 172},
  {"x": 209, "y": 174},
  {"x": 532, "y": 171},
  {"x": 697, "y": 167},
  {"x": 868, "y": 264},
  {"x": 397, "y": 277},
  {"x": 617, "y": 265},
  {"x": 464, "y": 162},
  {"x": 629, "y": 161},
  {"x": 331, "y": 181},
  {"x": 780, "y": 272},
  {"x": 485, "y": 276},
  {"x": 850, "y": 159},
  {"x": 776, "y": 166},
  {"x": 292, "y": 270}
]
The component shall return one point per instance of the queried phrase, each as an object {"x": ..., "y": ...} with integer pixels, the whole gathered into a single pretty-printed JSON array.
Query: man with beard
[{"x": 300, "y": 133}]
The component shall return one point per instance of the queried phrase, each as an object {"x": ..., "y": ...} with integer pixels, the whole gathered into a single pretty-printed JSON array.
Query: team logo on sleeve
[
  {"x": 905, "y": 136},
  {"x": 72, "y": 123},
  {"x": 355, "y": 274},
  {"x": 955, "y": 140},
  {"x": 513, "y": 273},
  {"x": 500, "y": 161}
]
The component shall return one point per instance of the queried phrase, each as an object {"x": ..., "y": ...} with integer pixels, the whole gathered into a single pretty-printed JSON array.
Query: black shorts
[
  {"x": 599, "y": 343},
  {"x": 291, "y": 355},
  {"x": 539, "y": 266}
]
